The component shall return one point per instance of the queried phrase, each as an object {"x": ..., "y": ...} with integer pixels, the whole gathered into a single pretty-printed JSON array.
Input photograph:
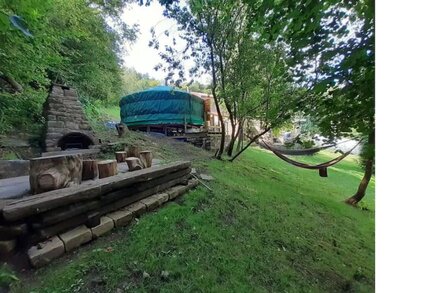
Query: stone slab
[
  {"x": 121, "y": 217},
  {"x": 151, "y": 202},
  {"x": 193, "y": 183},
  {"x": 176, "y": 191},
  {"x": 162, "y": 197},
  {"x": 206, "y": 177},
  {"x": 43, "y": 253},
  {"x": 136, "y": 208},
  {"x": 75, "y": 237},
  {"x": 7, "y": 246},
  {"x": 105, "y": 226}
]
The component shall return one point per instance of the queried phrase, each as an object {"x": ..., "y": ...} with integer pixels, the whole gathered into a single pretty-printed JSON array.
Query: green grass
[
  {"x": 266, "y": 227},
  {"x": 112, "y": 112}
]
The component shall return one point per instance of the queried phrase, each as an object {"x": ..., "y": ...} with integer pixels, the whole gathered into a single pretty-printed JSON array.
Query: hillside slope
[{"x": 266, "y": 227}]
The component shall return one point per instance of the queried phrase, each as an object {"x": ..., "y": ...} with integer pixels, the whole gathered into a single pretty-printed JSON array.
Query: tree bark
[
  {"x": 240, "y": 136},
  {"x": 359, "y": 195},
  {"x": 122, "y": 129},
  {"x": 55, "y": 172},
  {"x": 107, "y": 168},
  {"x": 120, "y": 156},
  {"x": 146, "y": 158},
  {"x": 231, "y": 144},
  {"x": 133, "y": 164},
  {"x": 133, "y": 151},
  {"x": 89, "y": 169},
  {"x": 217, "y": 104}
]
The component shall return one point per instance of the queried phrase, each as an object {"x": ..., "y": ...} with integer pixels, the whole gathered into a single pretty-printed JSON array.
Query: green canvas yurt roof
[{"x": 161, "y": 105}]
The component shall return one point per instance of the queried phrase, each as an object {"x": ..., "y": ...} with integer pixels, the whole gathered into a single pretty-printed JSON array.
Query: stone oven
[{"x": 66, "y": 124}]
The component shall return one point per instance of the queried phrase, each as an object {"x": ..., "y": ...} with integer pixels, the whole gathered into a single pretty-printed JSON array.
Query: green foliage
[
  {"x": 249, "y": 235},
  {"x": 72, "y": 44},
  {"x": 330, "y": 48},
  {"x": 7, "y": 277},
  {"x": 307, "y": 143},
  {"x": 133, "y": 81},
  {"x": 249, "y": 73}
]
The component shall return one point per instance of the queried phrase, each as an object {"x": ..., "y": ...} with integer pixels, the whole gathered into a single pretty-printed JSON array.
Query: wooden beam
[{"x": 43, "y": 202}]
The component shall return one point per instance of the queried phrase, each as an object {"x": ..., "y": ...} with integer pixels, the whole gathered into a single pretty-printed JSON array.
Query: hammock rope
[
  {"x": 321, "y": 167},
  {"x": 303, "y": 152}
]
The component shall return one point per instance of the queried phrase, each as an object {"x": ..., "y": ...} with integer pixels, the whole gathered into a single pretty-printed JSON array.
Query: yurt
[{"x": 162, "y": 109}]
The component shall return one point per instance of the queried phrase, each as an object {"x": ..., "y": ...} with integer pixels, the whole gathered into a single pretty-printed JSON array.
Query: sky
[{"x": 139, "y": 55}]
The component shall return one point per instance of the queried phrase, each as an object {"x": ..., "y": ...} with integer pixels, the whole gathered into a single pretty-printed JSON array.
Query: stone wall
[{"x": 64, "y": 115}]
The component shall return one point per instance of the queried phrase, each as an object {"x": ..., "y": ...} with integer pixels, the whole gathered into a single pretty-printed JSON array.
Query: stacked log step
[{"x": 43, "y": 216}]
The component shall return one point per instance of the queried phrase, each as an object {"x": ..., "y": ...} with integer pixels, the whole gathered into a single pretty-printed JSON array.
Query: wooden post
[
  {"x": 54, "y": 172},
  {"x": 120, "y": 156},
  {"x": 146, "y": 158},
  {"x": 133, "y": 163},
  {"x": 133, "y": 151},
  {"x": 89, "y": 169},
  {"x": 107, "y": 168}
]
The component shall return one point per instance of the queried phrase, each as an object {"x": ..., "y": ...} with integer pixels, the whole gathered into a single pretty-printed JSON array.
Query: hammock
[
  {"x": 304, "y": 152},
  {"x": 321, "y": 167}
]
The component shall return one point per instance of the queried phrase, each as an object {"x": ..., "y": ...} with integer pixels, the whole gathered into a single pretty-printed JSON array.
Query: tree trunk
[
  {"x": 89, "y": 169},
  {"x": 231, "y": 144},
  {"x": 107, "y": 168},
  {"x": 133, "y": 163},
  {"x": 55, "y": 172},
  {"x": 133, "y": 151},
  {"x": 217, "y": 104},
  {"x": 249, "y": 144},
  {"x": 122, "y": 129},
  {"x": 146, "y": 158},
  {"x": 359, "y": 195},
  {"x": 120, "y": 156},
  {"x": 240, "y": 136}
]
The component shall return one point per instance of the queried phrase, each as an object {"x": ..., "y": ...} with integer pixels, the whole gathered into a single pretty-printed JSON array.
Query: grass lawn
[{"x": 266, "y": 227}]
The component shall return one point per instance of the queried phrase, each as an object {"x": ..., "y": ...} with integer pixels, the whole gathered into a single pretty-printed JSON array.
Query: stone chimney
[{"x": 66, "y": 123}]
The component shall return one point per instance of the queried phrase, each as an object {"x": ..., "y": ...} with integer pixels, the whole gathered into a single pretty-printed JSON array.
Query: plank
[{"x": 64, "y": 213}]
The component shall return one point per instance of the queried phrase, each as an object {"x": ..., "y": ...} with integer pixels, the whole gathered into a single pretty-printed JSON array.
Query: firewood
[
  {"x": 120, "y": 156},
  {"x": 107, "y": 168},
  {"x": 133, "y": 151},
  {"x": 133, "y": 164},
  {"x": 146, "y": 158},
  {"x": 54, "y": 172},
  {"x": 89, "y": 169}
]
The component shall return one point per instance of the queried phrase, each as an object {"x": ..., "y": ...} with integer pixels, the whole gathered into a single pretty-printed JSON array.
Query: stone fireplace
[{"x": 66, "y": 124}]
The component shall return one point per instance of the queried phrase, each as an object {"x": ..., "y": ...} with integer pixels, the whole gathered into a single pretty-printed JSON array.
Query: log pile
[{"x": 38, "y": 217}]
